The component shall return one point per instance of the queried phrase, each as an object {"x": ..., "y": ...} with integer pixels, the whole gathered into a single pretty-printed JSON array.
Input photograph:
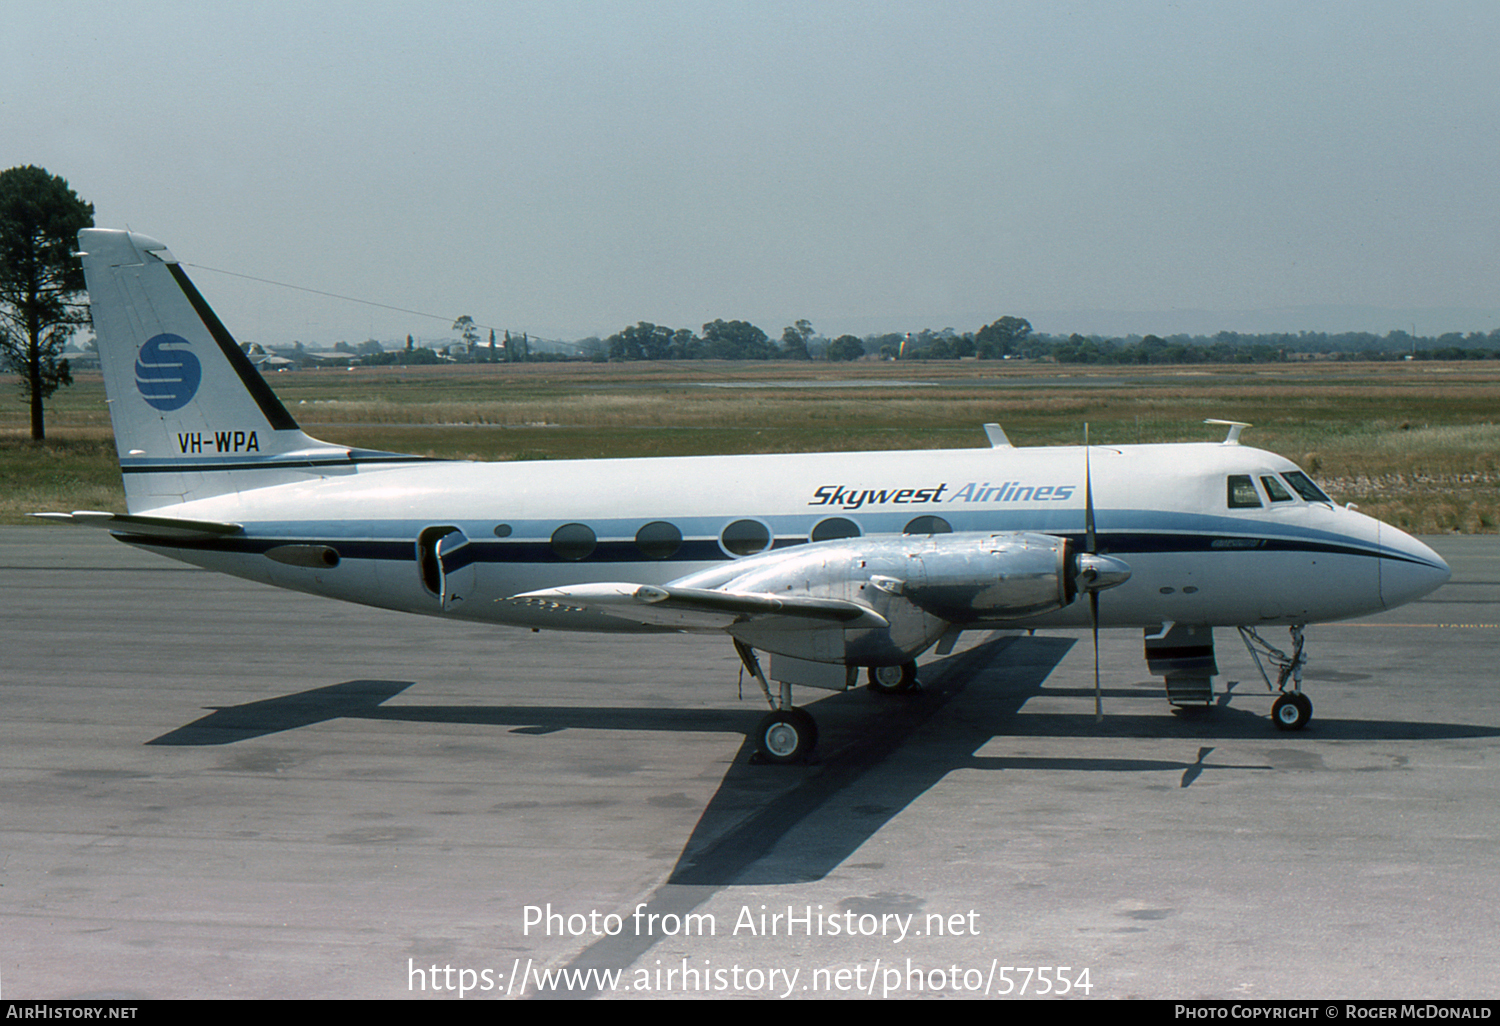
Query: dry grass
[{"x": 1415, "y": 444}]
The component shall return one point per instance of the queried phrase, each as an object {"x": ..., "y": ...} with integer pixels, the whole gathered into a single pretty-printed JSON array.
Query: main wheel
[
  {"x": 1291, "y": 712},
  {"x": 892, "y": 680},
  {"x": 786, "y": 736}
]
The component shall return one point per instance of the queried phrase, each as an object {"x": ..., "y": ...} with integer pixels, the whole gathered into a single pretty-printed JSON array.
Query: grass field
[{"x": 1415, "y": 444}]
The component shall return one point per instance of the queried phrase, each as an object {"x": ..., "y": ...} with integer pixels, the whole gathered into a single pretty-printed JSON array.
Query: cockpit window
[
  {"x": 1303, "y": 486},
  {"x": 1275, "y": 490},
  {"x": 1242, "y": 494}
]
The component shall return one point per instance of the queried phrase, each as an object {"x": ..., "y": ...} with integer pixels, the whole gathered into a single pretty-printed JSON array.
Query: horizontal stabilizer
[
  {"x": 700, "y": 607},
  {"x": 170, "y": 528}
]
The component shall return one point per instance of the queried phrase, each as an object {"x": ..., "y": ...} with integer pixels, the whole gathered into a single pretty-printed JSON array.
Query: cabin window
[
  {"x": 835, "y": 527},
  {"x": 745, "y": 538},
  {"x": 1303, "y": 486},
  {"x": 658, "y": 540},
  {"x": 1275, "y": 490},
  {"x": 1242, "y": 493},
  {"x": 502, "y": 530},
  {"x": 574, "y": 542},
  {"x": 928, "y": 525}
]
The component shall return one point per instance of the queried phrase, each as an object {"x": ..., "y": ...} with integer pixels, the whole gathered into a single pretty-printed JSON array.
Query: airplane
[{"x": 829, "y": 563}]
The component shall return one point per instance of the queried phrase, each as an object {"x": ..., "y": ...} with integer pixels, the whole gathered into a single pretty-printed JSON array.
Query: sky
[{"x": 571, "y": 168}]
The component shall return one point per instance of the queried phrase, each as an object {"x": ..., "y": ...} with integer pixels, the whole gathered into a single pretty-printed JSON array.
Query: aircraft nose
[{"x": 1408, "y": 568}]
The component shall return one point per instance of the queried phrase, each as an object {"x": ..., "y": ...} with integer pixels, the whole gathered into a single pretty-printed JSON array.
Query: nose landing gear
[{"x": 1293, "y": 709}]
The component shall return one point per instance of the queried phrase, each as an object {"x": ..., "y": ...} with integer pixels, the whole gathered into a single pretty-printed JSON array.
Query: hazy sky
[{"x": 569, "y": 168}]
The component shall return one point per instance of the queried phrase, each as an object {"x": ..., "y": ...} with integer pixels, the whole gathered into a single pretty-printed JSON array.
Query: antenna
[{"x": 1235, "y": 427}]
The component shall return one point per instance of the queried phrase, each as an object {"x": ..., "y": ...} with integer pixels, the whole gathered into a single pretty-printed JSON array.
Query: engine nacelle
[
  {"x": 969, "y": 578},
  {"x": 921, "y": 584}
]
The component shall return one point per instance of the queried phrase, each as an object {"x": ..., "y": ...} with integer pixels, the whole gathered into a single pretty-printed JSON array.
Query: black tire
[
  {"x": 892, "y": 680},
  {"x": 1306, "y": 704},
  {"x": 1291, "y": 712},
  {"x": 786, "y": 736}
]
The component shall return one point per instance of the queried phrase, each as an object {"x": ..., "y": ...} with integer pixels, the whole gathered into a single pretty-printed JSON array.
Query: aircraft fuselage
[{"x": 530, "y": 525}]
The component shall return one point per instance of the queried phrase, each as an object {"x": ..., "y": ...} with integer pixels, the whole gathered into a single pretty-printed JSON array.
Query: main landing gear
[
  {"x": 893, "y": 680},
  {"x": 1293, "y": 709},
  {"x": 786, "y": 734}
]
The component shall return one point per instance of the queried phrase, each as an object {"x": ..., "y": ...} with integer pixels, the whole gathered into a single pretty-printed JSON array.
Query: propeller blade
[
  {"x": 1098, "y": 692},
  {"x": 1089, "y": 545}
]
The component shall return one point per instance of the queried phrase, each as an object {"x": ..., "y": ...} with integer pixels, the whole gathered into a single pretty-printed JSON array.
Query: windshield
[{"x": 1303, "y": 486}]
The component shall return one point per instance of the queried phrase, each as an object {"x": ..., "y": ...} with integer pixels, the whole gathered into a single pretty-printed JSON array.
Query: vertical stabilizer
[{"x": 192, "y": 416}]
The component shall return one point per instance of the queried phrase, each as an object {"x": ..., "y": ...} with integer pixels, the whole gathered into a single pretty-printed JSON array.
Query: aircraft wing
[
  {"x": 703, "y": 608},
  {"x": 143, "y": 526}
]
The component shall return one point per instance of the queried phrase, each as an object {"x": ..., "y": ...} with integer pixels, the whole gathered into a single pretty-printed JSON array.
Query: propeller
[
  {"x": 1090, "y": 544},
  {"x": 1095, "y": 572}
]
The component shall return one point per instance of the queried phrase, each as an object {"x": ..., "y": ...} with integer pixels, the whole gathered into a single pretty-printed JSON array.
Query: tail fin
[{"x": 193, "y": 418}]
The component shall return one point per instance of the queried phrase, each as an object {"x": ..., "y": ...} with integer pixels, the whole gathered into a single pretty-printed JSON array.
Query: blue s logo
[{"x": 167, "y": 373}]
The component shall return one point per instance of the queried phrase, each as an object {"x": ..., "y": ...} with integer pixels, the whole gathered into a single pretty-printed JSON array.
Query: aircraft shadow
[
  {"x": 362, "y": 699},
  {"x": 756, "y": 807},
  {"x": 898, "y": 715}
]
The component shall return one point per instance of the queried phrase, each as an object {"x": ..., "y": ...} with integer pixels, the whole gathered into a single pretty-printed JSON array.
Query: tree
[
  {"x": 996, "y": 340},
  {"x": 794, "y": 341},
  {"x": 736, "y": 340},
  {"x": 645, "y": 341},
  {"x": 846, "y": 347},
  {"x": 466, "y": 328},
  {"x": 41, "y": 283}
]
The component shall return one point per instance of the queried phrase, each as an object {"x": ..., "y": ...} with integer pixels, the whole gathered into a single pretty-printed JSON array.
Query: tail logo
[{"x": 167, "y": 374}]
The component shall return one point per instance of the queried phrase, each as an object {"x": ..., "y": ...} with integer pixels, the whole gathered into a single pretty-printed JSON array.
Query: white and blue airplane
[{"x": 828, "y": 562}]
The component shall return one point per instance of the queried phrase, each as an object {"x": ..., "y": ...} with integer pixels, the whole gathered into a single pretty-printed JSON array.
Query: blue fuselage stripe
[{"x": 707, "y": 550}]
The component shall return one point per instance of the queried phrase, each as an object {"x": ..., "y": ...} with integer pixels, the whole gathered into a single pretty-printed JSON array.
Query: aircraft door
[{"x": 445, "y": 561}]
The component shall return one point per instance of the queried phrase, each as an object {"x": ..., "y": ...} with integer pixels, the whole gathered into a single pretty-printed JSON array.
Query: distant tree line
[
  {"x": 1005, "y": 338},
  {"x": 1013, "y": 337},
  {"x": 1235, "y": 347}
]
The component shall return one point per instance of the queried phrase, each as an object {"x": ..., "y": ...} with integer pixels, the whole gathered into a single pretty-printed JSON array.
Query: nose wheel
[{"x": 1291, "y": 711}]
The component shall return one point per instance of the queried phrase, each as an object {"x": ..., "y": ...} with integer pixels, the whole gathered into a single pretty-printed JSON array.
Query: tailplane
[{"x": 192, "y": 416}]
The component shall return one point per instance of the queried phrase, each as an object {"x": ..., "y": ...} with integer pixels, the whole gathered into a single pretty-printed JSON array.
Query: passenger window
[
  {"x": 835, "y": 527},
  {"x": 1275, "y": 490},
  {"x": 574, "y": 542},
  {"x": 658, "y": 540},
  {"x": 928, "y": 525},
  {"x": 1303, "y": 486},
  {"x": 745, "y": 538},
  {"x": 1242, "y": 494}
]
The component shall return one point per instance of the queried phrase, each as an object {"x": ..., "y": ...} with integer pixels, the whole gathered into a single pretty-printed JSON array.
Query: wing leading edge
[{"x": 701, "y": 608}]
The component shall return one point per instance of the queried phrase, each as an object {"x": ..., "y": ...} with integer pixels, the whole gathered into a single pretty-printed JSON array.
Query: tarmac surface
[{"x": 209, "y": 788}]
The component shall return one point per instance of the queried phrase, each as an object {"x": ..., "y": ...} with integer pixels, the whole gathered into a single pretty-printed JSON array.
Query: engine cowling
[{"x": 921, "y": 584}]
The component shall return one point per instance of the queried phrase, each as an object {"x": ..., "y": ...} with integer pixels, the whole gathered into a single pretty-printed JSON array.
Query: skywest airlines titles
[{"x": 1007, "y": 491}]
